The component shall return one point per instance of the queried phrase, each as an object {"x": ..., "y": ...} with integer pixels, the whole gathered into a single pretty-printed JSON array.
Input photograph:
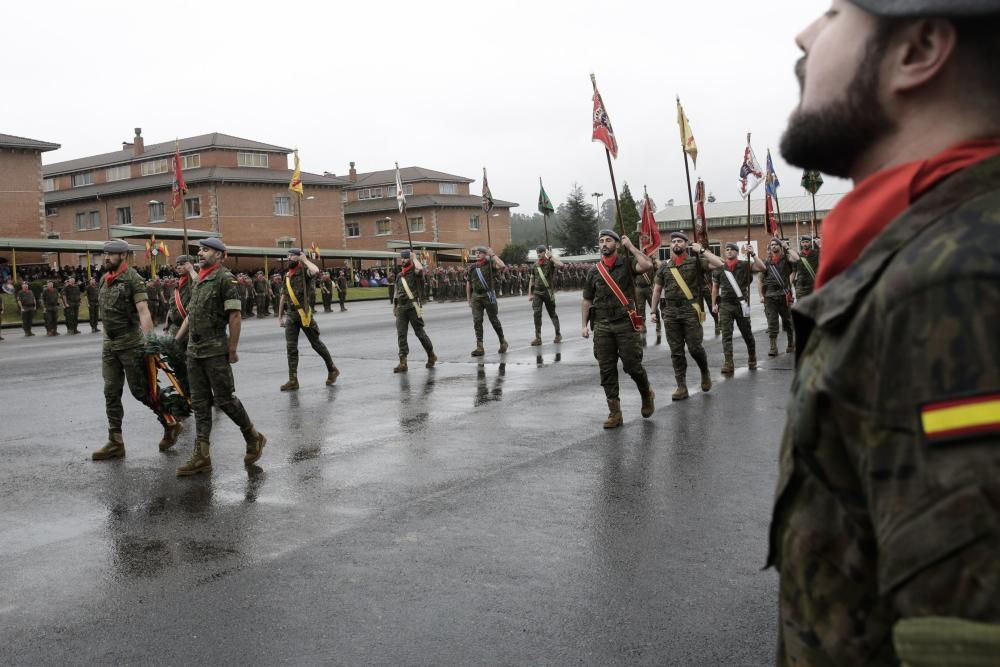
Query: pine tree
[
  {"x": 576, "y": 230},
  {"x": 630, "y": 214}
]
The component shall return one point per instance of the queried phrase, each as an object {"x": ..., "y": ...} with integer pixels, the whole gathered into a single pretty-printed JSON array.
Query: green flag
[
  {"x": 812, "y": 181},
  {"x": 544, "y": 203}
]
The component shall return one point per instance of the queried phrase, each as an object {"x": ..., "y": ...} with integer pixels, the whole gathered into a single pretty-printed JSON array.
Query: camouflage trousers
[
  {"x": 730, "y": 313},
  {"x": 72, "y": 317},
  {"x": 682, "y": 327},
  {"x": 182, "y": 344},
  {"x": 479, "y": 306},
  {"x": 549, "y": 301},
  {"x": 775, "y": 308},
  {"x": 327, "y": 302},
  {"x": 51, "y": 319},
  {"x": 618, "y": 340},
  {"x": 27, "y": 318},
  {"x": 292, "y": 328},
  {"x": 406, "y": 317},
  {"x": 262, "y": 303},
  {"x": 643, "y": 298},
  {"x": 211, "y": 382},
  {"x": 94, "y": 312},
  {"x": 117, "y": 367}
]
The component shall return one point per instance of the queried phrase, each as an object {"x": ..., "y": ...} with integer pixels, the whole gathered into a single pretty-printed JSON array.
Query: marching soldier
[
  {"x": 214, "y": 307},
  {"x": 93, "y": 305},
  {"x": 678, "y": 285},
  {"x": 275, "y": 289},
  {"x": 295, "y": 313},
  {"x": 480, "y": 293},
  {"x": 260, "y": 290},
  {"x": 644, "y": 298},
  {"x": 615, "y": 321},
  {"x": 886, "y": 521},
  {"x": 153, "y": 300},
  {"x": 776, "y": 293},
  {"x": 182, "y": 296},
  {"x": 407, "y": 311},
  {"x": 805, "y": 272},
  {"x": 71, "y": 306},
  {"x": 125, "y": 313},
  {"x": 342, "y": 290},
  {"x": 26, "y": 305},
  {"x": 542, "y": 292},
  {"x": 51, "y": 300},
  {"x": 731, "y": 302},
  {"x": 326, "y": 288}
]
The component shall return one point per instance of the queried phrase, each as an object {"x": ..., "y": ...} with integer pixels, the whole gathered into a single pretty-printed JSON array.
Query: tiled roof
[
  {"x": 10, "y": 141},
  {"x": 191, "y": 177},
  {"x": 408, "y": 174},
  {"x": 422, "y": 201},
  {"x": 213, "y": 140}
]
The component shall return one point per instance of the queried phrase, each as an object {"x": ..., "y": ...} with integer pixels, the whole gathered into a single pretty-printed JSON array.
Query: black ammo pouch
[{"x": 195, "y": 338}]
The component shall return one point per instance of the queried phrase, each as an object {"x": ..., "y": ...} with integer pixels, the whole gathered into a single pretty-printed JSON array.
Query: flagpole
[
  {"x": 545, "y": 224},
  {"x": 814, "y": 217},
  {"x": 687, "y": 175},
  {"x": 302, "y": 238},
  {"x": 614, "y": 188},
  {"x": 777, "y": 205}
]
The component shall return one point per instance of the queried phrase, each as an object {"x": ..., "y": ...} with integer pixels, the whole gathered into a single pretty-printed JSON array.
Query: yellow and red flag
[
  {"x": 961, "y": 418},
  {"x": 314, "y": 250},
  {"x": 295, "y": 185},
  {"x": 687, "y": 136},
  {"x": 164, "y": 250}
]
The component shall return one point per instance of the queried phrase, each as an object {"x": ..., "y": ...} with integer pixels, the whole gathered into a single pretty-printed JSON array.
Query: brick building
[
  {"x": 439, "y": 208},
  {"x": 22, "y": 212},
  {"x": 727, "y": 221},
  {"x": 236, "y": 187}
]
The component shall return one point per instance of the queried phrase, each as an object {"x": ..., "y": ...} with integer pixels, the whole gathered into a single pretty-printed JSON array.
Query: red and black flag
[
  {"x": 700, "y": 221},
  {"x": 602, "y": 123},
  {"x": 179, "y": 188}
]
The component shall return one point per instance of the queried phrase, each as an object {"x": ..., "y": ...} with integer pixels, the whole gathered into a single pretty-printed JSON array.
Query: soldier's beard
[
  {"x": 679, "y": 251},
  {"x": 608, "y": 250},
  {"x": 833, "y": 138}
]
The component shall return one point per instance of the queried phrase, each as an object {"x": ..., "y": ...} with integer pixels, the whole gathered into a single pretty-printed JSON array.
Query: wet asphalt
[{"x": 476, "y": 513}]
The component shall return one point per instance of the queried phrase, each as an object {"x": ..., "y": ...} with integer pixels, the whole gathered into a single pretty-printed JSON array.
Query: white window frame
[
  {"x": 50, "y": 185},
  {"x": 414, "y": 222},
  {"x": 190, "y": 203},
  {"x": 352, "y": 227},
  {"x": 158, "y": 206},
  {"x": 95, "y": 220},
  {"x": 83, "y": 179},
  {"x": 120, "y": 173},
  {"x": 283, "y": 211},
  {"x": 192, "y": 161},
  {"x": 407, "y": 190},
  {"x": 378, "y": 227},
  {"x": 153, "y": 167},
  {"x": 475, "y": 223},
  {"x": 251, "y": 159},
  {"x": 80, "y": 221},
  {"x": 127, "y": 216},
  {"x": 448, "y": 188}
]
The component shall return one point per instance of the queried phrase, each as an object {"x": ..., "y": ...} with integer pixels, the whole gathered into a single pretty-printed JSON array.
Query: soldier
[
  {"x": 260, "y": 291},
  {"x": 275, "y": 289},
  {"x": 26, "y": 305},
  {"x": 125, "y": 313},
  {"x": 886, "y": 522},
  {"x": 299, "y": 283},
  {"x": 93, "y": 305},
  {"x": 542, "y": 288},
  {"x": 182, "y": 296},
  {"x": 342, "y": 290},
  {"x": 776, "y": 293},
  {"x": 51, "y": 300},
  {"x": 480, "y": 293},
  {"x": 71, "y": 306},
  {"x": 214, "y": 307},
  {"x": 153, "y": 300},
  {"x": 326, "y": 288},
  {"x": 615, "y": 334},
  {"x": 678, "y": 285},
  {"x": 644, "y": 297},
  {"x": 731, "y": 302},
  {"x": 805, "y": 272},
  {"x": 407, "y": 312}
]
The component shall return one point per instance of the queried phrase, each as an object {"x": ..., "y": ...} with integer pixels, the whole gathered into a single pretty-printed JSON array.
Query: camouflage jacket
[
  {"x": 888, "y": 497},
  {"x": 784, "y": 268},
  {"x": 693, "y": 270},
  {"x": 548, "y": 269},
  {"x": 607, "y": 307},
  {"x": 212, "y": 299},
  {"x": 803, "y": 279},
  {"x": 119, "y": 312},
  {"x": 184, "y": 290},
  {"x": 415, "y": 281}
]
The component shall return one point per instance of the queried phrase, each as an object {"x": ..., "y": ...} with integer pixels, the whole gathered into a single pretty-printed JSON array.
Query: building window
[
  {"x": 152, "y": 167},
  {"x": 407, "y": 190},
  {"x": 282, "y": 205},
  {"x": 156, "y": 211},
  {"x": 80, "y": 222},
  {"x": 95, "y": 219},
  {"x": 192, "y": 207},
  {"x": 285, "y": 242},
  {"x": 474, "y": 223},
  {"x": 245, "y": 159},
  {"x": 370, "y": 193},
  {"x": 119, "y": 173},
  {"x": 82, "y": 179},
  {"x": 383, "y": 227},
  {"x": 343, "y": 196},
  {"x": 49, "y": 184},
  {"x": 416, "y": 224},
  {"x": 353, "y": 230},
  {"x": 51, "y": 210},
  {"x": 123, "y": 215},
  {"x": 190, "y": 161},
  {"x": 448, "y": 188}
]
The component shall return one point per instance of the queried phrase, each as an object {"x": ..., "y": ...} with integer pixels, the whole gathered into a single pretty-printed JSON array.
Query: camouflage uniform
[
  {"x": 680, "y": 320},
  {"x": 260, "y": 289},
  {"x": 881, "y": 515},
  {"x": 731, "y": 311},
  {"x": 303, "y": 284},
  {"x": 406, "y": 315},
  {"x": 775, "y": 301},
  {"x": 484, "y": 300},
  {"x": 175, "y": 318},
  {"x": 342, "y": 292},
  {"x": 544, "y": 295},
  {"x": 93, "y": 306},
  {"x": 803, "y": 278},
  {"x": 51, "y": 302},
  {"x": 26, "y": 303},
  {"x": 71, "y": 295},
  {"x": 326, "y": 287},
  {"x": 644, "y": 297},
  {"x": 153, "y": 300}
]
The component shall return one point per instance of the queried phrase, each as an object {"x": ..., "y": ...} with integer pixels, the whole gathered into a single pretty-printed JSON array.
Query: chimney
[
  {"x": 353, "y": 174},
  {"x": 137, "y": 144},
  {"x": 126, "y": 145}
]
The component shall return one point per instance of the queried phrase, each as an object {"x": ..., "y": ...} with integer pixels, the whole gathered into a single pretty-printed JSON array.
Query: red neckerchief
[
  {"x": 122, "y": 268},
  {"x": 182, "y": 281},
  {"x": 882, "y": 197},
  {"x": 406, "y": 269},
  {"x": 774, "y": 259},
  {"x": 480, "y": 262},
  {"x": 541, "y": 261},
  {"x": 731, "y": 263},
  {"x": 204, "y": 273},
  {"x": 292, "y": 270},
  {"x": 805, "y": 253},
  {"x": 679, "y": 259},
  {"x": 610, "y": 260}
]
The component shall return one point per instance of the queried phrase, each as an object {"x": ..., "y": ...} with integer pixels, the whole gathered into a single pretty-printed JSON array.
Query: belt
[{"x": 675, "y": 302}]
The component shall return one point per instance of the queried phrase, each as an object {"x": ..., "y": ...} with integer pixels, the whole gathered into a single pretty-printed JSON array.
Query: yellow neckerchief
[{"x": 305, "y": 314}]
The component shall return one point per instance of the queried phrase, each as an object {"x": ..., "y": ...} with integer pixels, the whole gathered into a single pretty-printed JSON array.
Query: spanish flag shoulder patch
[{"x": 961, "y": 418}]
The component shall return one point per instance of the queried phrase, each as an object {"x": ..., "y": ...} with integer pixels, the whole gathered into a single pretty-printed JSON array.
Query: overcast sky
[{"x": 447, "y": 85}]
